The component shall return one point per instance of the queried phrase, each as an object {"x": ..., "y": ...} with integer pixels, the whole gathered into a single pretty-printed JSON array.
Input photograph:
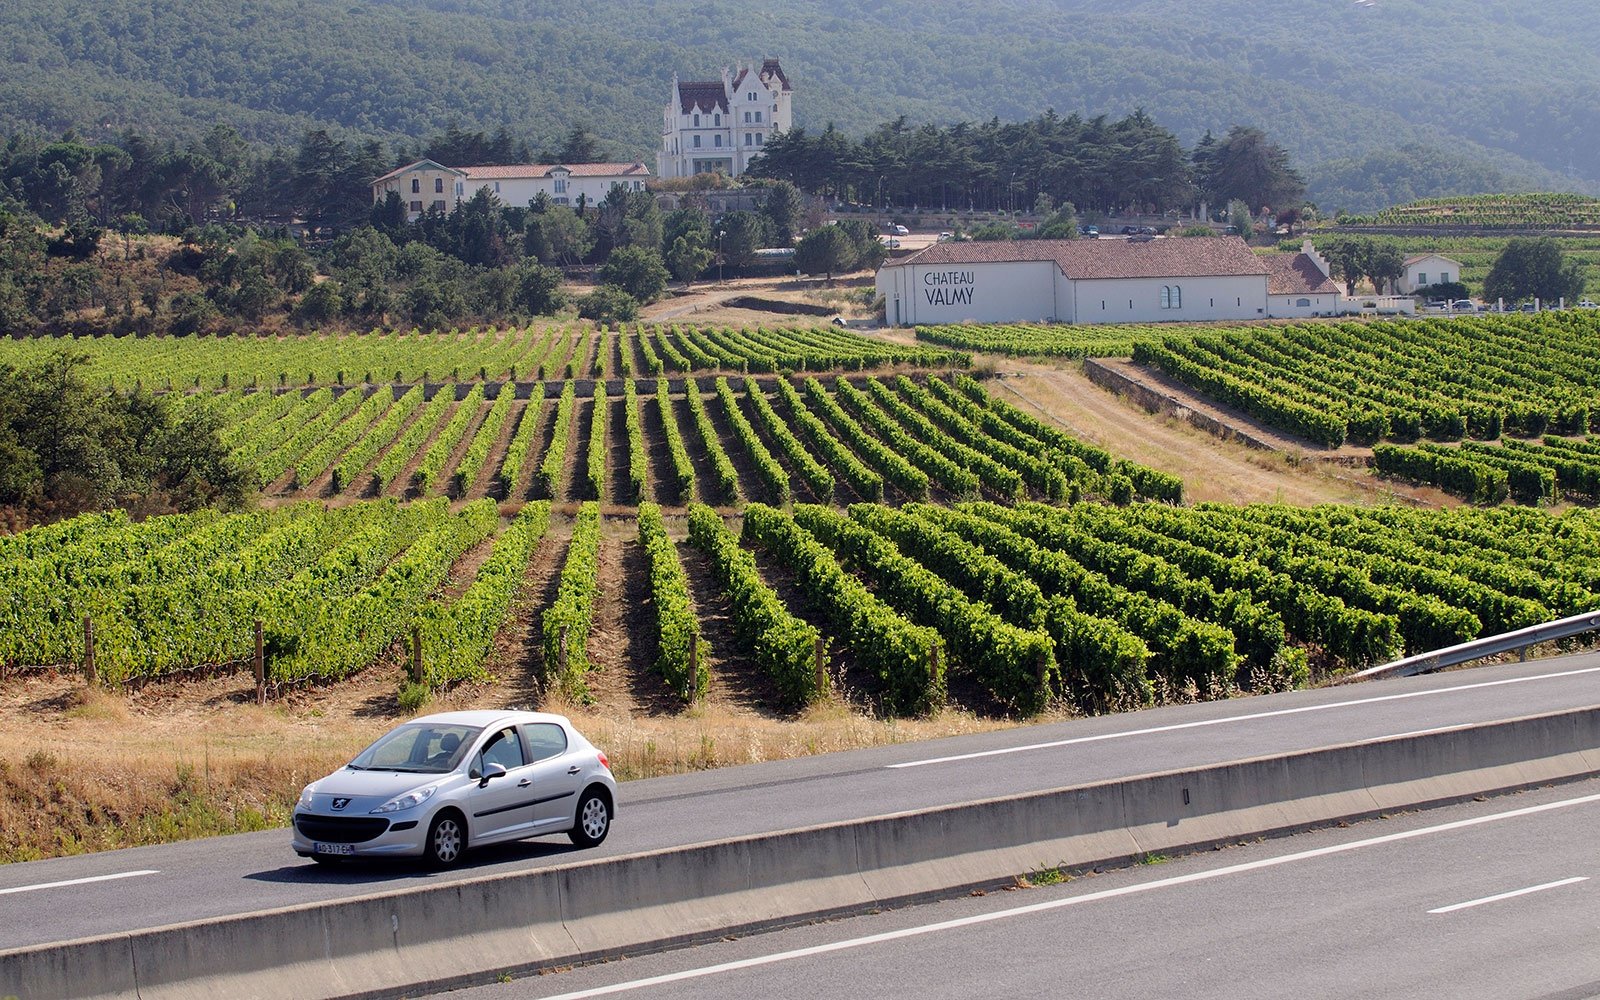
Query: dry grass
[{"x": 84, "y": 771}]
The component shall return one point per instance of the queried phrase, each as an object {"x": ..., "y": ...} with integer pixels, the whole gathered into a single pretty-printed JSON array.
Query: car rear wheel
[
  {"x": 447, "y": 840},
  {"x": 592, "y": 822}
]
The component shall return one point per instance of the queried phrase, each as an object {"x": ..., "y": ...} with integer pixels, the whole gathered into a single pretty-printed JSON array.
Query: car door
[
  {"x": 503, "y": 808},
  {"x": 557, "y": 775}
]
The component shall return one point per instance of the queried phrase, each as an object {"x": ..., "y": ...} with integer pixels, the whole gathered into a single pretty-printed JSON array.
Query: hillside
[{"x": 1481, "y": 97}]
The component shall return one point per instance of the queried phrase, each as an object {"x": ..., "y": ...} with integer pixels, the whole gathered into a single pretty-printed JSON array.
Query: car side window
[
  {"x": 545, "y": 740},
  {"x": 504, "y": 749}
]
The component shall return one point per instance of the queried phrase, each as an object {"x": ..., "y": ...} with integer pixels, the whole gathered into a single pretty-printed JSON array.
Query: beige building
[
  {"x": 426, "y": 186},
  {"x": 1427, "y": 269}
]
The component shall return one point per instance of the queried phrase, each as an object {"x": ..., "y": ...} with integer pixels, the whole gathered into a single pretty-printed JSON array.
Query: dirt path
[
  {"x": 1212, "y": 469},
  {"x": 619, "y": 453},
  {"x": 518, "y": 656},
  {"x": 699, "y": 456},
  {"x": 737, "y": 686},
  {"x": 622, "y": 644},
  {"x": 488, "y": 484},
  {"x": 576, "y": 476}
]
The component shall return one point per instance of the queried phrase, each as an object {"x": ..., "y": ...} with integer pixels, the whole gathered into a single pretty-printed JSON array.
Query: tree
[
  {"x": 1347, "y": 259},
  {"x": 743, "y": 233},
  {"x": 580, "y": 146},
  {"x": 538, "y": 289},
  {"x": 1241, "y": 218},
  {"x": 320, "y": 304},
  {"x": 1534, "y": 268},
  {"x": 1060, "y": 225},
  {"x": 608, "y": 305},
  {"x": 1248, "y": 166},
  {"x": 1384, "y": 265},
  {"x": 782, "y": 208},
  {"x": 639, "y": 271},
  {"x": 557, "y": 236},
  {"x": 825, "y": 251},
  {"x": 687, "y": 258}
]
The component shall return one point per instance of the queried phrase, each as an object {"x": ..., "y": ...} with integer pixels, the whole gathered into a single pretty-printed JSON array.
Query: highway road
[
  {"x": 1495, "y": 899},
  {"x": 148, "y": 887}
]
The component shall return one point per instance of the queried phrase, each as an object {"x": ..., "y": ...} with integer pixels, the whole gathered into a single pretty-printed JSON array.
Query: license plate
[{"x": 334, "y": 848}]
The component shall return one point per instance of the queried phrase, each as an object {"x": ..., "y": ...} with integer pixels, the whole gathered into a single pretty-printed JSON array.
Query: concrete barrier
[{"x": 448, "y": 935}]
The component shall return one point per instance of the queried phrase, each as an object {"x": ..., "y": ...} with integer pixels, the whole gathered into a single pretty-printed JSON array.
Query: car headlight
[
  {"x": 409, "y": 800},
  {"x": 305, "y": 796}
]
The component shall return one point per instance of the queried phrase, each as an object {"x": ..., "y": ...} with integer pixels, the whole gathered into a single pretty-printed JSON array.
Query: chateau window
[
  {"x": 438, "y": 206},
  {"x": 747, "y": 138},
  {"x": 438, "y": 185},
  {"x": 758, "y": 116},
  {"x": 416, "y": 207},
  {"x": 716, "y": 140},
  {"x": 416, "y": 185},
  {"x": 758, "y": 138},
  {"x": 747, "y": 117},
  {"x": 716, "y": 120},
  {"x": 1171, "y": 297},
  {"x": 496, "y": 187},
  {"x": 1303, "y": 303},
  {"x": 696, "y": 142},
  {"x": 1422, "y": 277},
  {"x": 459, "y": 189},
  {"x": 1444, "y": 277},
  {"x": 750, "y": 96},
  {"x": 561, "y": 185},
  {"x": 696, "y": 121}
]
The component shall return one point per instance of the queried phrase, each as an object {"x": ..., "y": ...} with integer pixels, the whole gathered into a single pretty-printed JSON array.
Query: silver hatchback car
[{"x": 440, "y": 784}]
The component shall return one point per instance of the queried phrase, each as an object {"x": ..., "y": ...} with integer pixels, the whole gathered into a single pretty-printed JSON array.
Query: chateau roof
[
  {"x": 707, "y": 95},
  {"x": 1188, "y": 257},
  {"x": 1296, "y": 274},
  {"x": 771, "y": 67},
  {"x": 419, "y": 165}
]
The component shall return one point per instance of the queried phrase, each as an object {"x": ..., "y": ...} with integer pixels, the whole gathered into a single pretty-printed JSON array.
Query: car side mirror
[{"x": 491, "y": 771}]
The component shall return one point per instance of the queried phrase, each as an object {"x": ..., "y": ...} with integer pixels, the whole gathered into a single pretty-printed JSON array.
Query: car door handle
[
  {"x": 524, "y": 783},
  {"x": 574, "y": 769}
]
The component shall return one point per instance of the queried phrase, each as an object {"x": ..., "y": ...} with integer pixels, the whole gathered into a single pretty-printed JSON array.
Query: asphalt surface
[
  {"x": 252, "y": 872},
  {"x": 1482, "y": 900}
]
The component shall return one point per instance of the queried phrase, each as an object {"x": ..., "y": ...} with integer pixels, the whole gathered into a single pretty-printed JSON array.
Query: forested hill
[{"x": 1474, "y": 94}]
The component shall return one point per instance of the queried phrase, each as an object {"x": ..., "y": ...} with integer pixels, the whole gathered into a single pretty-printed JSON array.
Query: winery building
[{"x": 1077, "y": 281}]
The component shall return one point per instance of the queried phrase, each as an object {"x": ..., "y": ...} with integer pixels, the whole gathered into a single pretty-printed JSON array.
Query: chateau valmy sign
[{"x": 948, "y": 288}]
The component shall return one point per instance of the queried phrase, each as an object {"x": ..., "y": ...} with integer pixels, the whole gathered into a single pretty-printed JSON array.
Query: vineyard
[
  {"x": 1491, "y": 211},
  {"x": 538, "y": 353},
  {"x": 737, "y": 439},
  {"x": 997, "y": 607},
  {"x": 1055, "y": 340},
  {"x": 1365, "y": 382}
]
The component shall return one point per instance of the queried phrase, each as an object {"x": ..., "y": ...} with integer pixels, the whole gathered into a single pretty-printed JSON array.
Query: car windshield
[{"x": 418, "y": 748}]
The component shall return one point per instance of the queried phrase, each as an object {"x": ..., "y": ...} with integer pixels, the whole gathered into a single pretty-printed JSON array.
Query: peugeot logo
[{"x": 340, "y": 803}]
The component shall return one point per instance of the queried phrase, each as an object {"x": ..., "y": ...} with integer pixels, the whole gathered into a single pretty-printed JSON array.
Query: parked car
[
  {"x": 441, "y": 784},
  {"x": 1435, "y": 306},
  {"x": 899, "y": 230},
  {"x": 1465, "y": 306},
  {"x": 1528, "y": 307},
  {"x": 947, "y": 237},
  {"x": 1588, "y": 304},
  {"x": 1090, "y": 232},
  {"x": 890, "y": 242}
]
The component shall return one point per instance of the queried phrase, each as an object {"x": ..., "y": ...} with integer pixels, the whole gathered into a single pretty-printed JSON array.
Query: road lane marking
[
  {"x": 1056, "y": 904},
  {"x": 78, "y": 881},
  {"x": 1244, "y": 718},
  {"x": 1510, "y": 895}
]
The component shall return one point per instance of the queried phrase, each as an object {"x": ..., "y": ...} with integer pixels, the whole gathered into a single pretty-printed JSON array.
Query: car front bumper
[{"x": 358, "y": 836}]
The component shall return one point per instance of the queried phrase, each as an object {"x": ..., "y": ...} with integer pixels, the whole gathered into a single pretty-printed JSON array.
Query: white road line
[
  {"x": 1246, "y": 718},
  {"x": 78, "y": 881},
  {"x": 1510, "y": 895},
  {"x": 1056, "y": 904}
]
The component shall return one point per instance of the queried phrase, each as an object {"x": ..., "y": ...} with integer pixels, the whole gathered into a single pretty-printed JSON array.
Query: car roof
[{"x": 489, "y": 716}]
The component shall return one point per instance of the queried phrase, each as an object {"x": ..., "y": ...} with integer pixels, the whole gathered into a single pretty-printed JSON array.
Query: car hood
[{"x": 368, "y": 784}]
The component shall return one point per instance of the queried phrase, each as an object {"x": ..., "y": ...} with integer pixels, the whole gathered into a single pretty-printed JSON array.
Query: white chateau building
[{"x": 720, "y": 125}]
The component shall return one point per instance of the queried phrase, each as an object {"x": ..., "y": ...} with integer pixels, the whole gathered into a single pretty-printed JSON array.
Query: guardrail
[{"x": 1477, "y": 649}]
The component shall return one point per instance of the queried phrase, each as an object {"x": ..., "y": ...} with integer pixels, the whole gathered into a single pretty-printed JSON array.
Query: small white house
[
  {"x": 1427, "y": 269},
  {"x": 1299, "y": 285},
  {"x": 428, "y": 186}
]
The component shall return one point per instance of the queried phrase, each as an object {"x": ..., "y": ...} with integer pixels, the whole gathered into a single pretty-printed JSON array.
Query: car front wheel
[
  {"x": 447, "y": 840},
  {"x": 593, "y": 820}
]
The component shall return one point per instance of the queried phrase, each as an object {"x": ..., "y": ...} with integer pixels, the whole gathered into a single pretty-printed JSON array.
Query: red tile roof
[
  {"x": 707, "y": 95},
  {"x": 1189, "y": 257},
  {"x": 1424, "y": 256},
  {"x": 1296, "y": 274},
  {"x": 419, "y": 165},
  {"x": 532, "y": 170}
]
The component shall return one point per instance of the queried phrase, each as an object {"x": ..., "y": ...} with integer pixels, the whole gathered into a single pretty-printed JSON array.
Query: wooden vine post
[
  {"x": 260, "y": 666},
  {"x": 90, "y": 677},
  {"x": 694, "y": 667},
  {"x": 416, "y": 655},
  {"x": 561, "y": 655},
  {"x": 818, "y": 666}
]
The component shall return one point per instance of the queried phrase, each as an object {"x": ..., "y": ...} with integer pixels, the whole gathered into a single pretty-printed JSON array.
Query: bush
[{"x": 610, "y": 305}]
